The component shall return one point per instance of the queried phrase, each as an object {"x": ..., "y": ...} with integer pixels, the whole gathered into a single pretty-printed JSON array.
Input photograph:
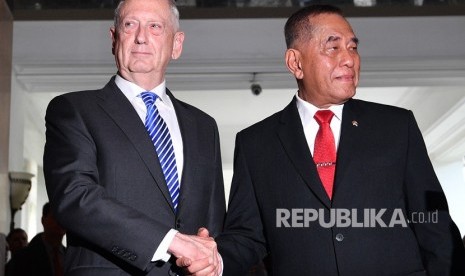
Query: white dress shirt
[
  {"x": 167, "y": 112},
  {"x": 311, "y": 126}
]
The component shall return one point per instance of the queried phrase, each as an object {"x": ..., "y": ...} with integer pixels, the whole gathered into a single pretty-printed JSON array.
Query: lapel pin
[{"x": 355, "y": 123}]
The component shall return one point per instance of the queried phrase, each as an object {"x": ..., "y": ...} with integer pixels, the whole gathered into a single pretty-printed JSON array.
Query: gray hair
[{"x": 171, "y": 3}]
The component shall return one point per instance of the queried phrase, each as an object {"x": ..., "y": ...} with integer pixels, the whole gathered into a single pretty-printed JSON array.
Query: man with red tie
[{"x": 329, "y": 185}]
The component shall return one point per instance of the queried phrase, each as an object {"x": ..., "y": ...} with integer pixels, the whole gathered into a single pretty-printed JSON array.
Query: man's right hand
[{"x": 198, "y": 255}]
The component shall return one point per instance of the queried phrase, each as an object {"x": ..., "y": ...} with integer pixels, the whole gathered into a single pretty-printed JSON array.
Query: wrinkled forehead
[
  {"x": 149, "y": 10},
  {"x": 144, "y": 8}
]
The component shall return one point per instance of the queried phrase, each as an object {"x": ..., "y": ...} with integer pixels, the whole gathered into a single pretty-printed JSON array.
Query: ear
[
  {"x": 177, "y": 45},
  {"x": 293, "y": 63},
  {"x": 113, "y": 39}
]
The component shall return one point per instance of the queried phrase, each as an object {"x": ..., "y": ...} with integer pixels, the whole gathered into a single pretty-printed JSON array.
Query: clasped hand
[{"x": 198, "y": 255}]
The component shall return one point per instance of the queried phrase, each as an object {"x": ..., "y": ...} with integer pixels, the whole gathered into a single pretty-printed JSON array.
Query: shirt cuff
[
  {"x": 221, "y": 264},
  {"x": 161, "y": 254}
]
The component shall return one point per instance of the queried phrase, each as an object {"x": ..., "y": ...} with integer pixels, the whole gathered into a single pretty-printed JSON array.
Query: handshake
[{"x": 197, "y": 255}]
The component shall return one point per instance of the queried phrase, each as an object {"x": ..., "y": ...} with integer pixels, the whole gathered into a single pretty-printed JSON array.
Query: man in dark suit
[
  {"x": 331, "y": 185},
  {"x": 107, "y": 177},
  {"x": 17, "y": 239},
  {"x": 44, "y": 254}
]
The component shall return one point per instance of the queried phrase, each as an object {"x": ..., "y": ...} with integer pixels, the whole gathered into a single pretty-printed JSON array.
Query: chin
[
  {"x": 140, "y": 69},
  {"x": 344, "y": 97},
  {"x": 349, "y": 92}
]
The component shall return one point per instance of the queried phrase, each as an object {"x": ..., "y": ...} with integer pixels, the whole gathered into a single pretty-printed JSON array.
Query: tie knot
[
  {"x": 149, "y": 98},
  {"x": 323, "y": 116}
]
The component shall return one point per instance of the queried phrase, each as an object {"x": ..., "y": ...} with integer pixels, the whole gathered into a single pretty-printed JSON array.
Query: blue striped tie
[{"x": 161, "y": 138}]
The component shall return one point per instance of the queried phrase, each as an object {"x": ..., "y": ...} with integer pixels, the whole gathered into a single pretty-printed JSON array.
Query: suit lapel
[
  {"x": 347, "y": 153},
  {"x": 294, "y": 143},
  {"x": 187, "y": 126},
  {"x": 122, "y": 112}
]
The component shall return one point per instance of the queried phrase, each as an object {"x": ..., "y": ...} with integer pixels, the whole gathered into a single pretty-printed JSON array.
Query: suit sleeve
[
  {"x": 81, "y": 203},
  {"x": 439, "y": 240},
  {"x": 242, "y": 244}
]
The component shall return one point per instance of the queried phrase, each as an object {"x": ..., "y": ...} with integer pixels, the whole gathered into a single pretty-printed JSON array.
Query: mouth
[
  {"x": 140, "y": 53},
  {"x": 346, "y": 78}
]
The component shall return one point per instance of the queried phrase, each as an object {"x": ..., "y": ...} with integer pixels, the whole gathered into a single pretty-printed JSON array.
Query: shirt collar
[
  {"x": 308, "y": 110},
  {"x": 132, "y": 90}
]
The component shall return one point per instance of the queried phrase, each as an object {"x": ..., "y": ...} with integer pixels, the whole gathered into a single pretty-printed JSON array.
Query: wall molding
[{"x": 238, "y": 74}]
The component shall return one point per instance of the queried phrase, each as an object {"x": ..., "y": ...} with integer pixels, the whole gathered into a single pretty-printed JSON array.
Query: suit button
[
  {"x": 178, "y": 223},
  {"x": 339, "y": 237}
]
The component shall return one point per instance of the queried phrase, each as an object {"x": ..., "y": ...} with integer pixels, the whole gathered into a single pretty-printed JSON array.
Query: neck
[
  {"x": 144, "y": 80},
  {"x": 309, "y": 99},
  {"x": 319, "y": 102}
]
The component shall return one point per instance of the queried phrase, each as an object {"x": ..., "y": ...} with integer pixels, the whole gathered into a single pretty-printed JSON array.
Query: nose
[
  {"x": 349, "y": 57},
  {"x": 141, "y": 35}
]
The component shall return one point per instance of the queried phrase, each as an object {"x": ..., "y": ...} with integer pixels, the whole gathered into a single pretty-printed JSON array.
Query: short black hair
[
  {"x": 298, "y": 25},
  {"x": 14, "y": 231}
]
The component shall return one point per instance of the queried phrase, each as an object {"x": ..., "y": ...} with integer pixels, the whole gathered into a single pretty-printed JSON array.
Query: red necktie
[{"x": 324, "y": 154}]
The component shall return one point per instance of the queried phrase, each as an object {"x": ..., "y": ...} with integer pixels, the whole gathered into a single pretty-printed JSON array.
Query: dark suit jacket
[
  {"x": 382, "y": 163},
  {"x": 107, "y": 188},
  {"x": 31, "y": 260}
]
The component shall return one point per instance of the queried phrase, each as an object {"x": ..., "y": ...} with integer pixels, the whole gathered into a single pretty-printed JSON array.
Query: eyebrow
[{"x": 333, "y": 38}]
